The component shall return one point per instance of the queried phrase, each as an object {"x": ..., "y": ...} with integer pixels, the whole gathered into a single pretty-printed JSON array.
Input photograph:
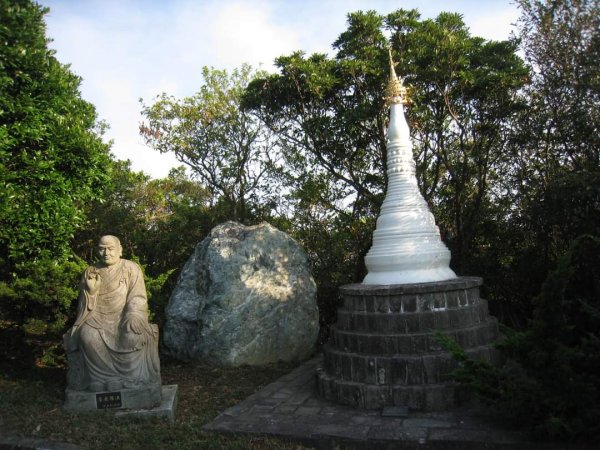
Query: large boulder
[{"x": 245, "y": 296}]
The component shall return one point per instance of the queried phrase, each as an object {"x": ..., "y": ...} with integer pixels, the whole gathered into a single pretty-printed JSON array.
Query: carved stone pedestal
[
  {"x": 383, "y": 349},
  {"x": 146, "y": 397},
  {"x": 148, "y": 401}
]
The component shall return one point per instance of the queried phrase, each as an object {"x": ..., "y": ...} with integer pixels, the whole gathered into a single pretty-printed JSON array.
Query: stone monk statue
[{"x": 112, "y": 346}]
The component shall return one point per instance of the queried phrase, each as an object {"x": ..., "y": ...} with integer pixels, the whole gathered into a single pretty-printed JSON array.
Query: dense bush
[
  {"x": 551, "y": 382},
  {"x": 42, "y": 295}
]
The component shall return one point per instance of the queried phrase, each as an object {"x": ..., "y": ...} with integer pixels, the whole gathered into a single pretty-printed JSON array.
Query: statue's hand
[
  {"x": 134, "y": 324},
  {"x": 92, "y": 282}
]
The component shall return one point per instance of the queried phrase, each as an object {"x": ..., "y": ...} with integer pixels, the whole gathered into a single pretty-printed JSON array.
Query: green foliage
[
  {"x": 226, "y": 148},
  {"x": 560, "y": 128},
  {"x": 158, "y": 296},
  {"x": 52, "y": 160},
  {"x": 43, "y": 295},
  {"x": 550, "y": 193},
  {"x": 158, "y": 221},
  {"x": 551, "y": 383}
]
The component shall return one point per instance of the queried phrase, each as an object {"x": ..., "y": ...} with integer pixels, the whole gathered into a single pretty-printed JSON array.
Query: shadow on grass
[{"x": 32, "y": 394}]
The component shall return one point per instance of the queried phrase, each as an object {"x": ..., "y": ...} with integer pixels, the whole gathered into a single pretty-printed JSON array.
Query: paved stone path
[{"x": 290, "y": 408}]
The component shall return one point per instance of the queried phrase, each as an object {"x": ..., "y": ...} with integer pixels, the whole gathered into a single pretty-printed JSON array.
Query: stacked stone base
[{"x": 384, "y": 349}]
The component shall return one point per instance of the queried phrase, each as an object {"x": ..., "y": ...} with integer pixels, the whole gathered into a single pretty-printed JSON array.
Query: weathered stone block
[
  {"x": 457, "y": 318},
  {"x": 473, "y": 295},
  {"x": 384, "y": 371},
  {"x": 359, "y": 369},
  {"x": 424, "y": 303},
  {"x": 409, "y": 303},
  {"x": 375, "y": 397},
  {"x": 413, "y": 323},
  {"x": 405, "y": 344},
  {"x": 398, "y": 371},
  {"x": 426, "y": 321},
  {"x": 342, "y": 320},
  {"x": 346, "y": 362},
  {"x": 350, "y": 394},
  {"x": 414, "y": 369},
  {"x": 419, "y": 343},
  {"x": 439, "y": 301},
  {"x": 483, "y": 311},
  {"x": 376, "y": 346},
  {"x": 433, "y": 344},
  {"x": 371, "y": 366},
  {"x": 353, "y": 302},
  {"x": 441, "y": 320},
  {"x": 452, "y": 299},
  {"x": 410, "y": 396},
  {"x": 395, "y": 302},
  {"x": 380, "y": 304},
  {"x": 438, "y": 398}
]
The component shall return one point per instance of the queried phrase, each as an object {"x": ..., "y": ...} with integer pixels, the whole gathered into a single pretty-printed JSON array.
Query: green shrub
[
  {"x": 41, "y": 296},
  {"x": 551, "y": 382}
]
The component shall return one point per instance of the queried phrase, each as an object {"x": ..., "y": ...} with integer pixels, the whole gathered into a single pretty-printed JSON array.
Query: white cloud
[
  {"x": 243, "y": 32},
  {"x": 494, "y": 24}
]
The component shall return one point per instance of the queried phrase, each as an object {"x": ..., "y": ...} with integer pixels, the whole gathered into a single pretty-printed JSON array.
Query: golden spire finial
[{"x": 395, "y": 91}]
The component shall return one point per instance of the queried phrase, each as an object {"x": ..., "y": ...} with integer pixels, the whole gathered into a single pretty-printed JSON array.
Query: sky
[{"x": 127, "y": 50}]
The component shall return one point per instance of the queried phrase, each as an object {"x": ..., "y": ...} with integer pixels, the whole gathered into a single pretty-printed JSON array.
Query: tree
[
  {"x": 330, "y": 117},
  {"x": 560, "y": 133},
  {"x": 552, "y": 186},
  {"x": 52, "y": 159},
  {"x": 465, "y": 96},
  {"x": 158, "y": 221},
  {"x": 561, "y": 129},
  {"x": 228, "y": 149}
]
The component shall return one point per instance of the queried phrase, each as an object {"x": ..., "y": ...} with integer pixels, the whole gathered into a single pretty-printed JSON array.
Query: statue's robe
[{"x": 112, "y": 354}]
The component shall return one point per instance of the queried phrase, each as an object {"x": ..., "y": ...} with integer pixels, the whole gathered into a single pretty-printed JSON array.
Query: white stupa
[{"x": 406, "y": 243}]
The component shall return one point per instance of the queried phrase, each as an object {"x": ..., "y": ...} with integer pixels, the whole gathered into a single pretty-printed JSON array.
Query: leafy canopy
[
  {"x": 329, "y": 116},
  {"x": 226, "y": 148},
  {"x": 52, "y": 160}
]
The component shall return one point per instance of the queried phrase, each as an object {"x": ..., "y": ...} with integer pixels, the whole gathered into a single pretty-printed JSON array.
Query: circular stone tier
[{"x": 384, "y": 349}]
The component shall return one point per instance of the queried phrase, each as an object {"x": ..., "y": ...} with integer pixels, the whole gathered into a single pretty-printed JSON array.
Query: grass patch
[{"x": 32, "y": 394}]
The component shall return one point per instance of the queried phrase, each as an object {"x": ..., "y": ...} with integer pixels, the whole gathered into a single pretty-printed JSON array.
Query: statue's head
[{"x": 109, "y": 249}]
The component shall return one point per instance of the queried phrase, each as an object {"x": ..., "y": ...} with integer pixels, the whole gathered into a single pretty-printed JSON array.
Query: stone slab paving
[{"x": 290, "y": 408}]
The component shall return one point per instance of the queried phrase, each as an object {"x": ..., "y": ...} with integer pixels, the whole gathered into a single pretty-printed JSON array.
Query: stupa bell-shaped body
[{"x": 406, "y": 243}]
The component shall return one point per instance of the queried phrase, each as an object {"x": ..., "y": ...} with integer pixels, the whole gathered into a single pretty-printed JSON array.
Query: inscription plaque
[{"x": 107, "y": 400}]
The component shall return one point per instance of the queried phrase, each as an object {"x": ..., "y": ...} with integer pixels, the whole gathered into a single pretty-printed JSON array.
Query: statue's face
[{"x": 109, "y": 251}]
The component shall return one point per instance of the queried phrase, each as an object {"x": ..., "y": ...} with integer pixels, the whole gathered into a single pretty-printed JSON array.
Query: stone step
[
  {"x": 409, "y": 302},
  {"x": 411, "y": 288},
  {"x": 430, "y": 368},
  {"x": 416, "y": 322},
  {"x": 431, "y": 397},
  {"x": 413, "y": 343}
]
